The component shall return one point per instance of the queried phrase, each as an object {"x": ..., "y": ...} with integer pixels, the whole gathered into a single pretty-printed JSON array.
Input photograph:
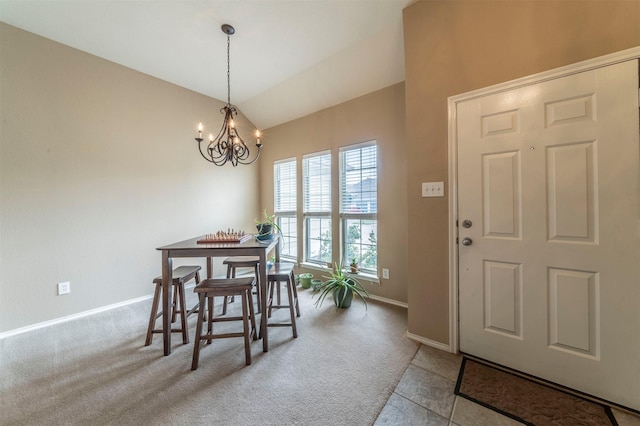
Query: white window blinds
[
  {"x": 317, "y": 183},
  {"x": 359, "y": 179},
  {"x": 284, "y": 175}
]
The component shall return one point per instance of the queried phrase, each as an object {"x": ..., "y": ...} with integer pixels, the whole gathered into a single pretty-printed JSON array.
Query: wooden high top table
[{"x": 191, "y": 248}]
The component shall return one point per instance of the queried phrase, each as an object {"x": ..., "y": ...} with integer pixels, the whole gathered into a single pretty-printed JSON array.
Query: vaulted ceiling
[{"x": 289, "y": 58}]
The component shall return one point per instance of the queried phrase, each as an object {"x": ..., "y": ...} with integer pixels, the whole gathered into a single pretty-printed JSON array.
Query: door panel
[
  {"x": 550, "y": 282},
  {"x": 571, "y": 192},
  {"x": 501, "y": 187}
]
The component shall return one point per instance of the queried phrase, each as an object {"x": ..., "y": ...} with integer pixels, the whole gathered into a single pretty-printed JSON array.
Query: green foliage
[
  {"x": 337, "y": 280},
  {"x": 325, "y": 246},
  {"x": 369, "y": 258},
  {"x": 270, "y": 222}
]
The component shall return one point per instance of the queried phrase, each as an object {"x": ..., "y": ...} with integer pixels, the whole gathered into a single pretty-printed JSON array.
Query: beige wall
[
  {"x": 98, "y": 166},
  {"x": 377, "y": 116},
  {"x": 452, "y": 47}
]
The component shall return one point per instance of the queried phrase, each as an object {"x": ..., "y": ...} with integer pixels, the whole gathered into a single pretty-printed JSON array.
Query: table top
[{"x": 192, "y": 243}]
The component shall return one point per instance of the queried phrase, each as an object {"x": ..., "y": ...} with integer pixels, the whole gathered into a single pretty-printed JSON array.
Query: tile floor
[{"x": 424, "y": 396}]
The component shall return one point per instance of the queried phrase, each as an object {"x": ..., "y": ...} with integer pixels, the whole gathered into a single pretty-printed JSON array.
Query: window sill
[{"x": 360, "y": 275}]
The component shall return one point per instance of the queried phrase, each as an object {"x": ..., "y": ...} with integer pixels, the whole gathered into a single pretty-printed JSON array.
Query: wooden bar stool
[
  {"x": 210, "y": 288},
  {"x": 283, "y": 272},
  {"x": 242, "y": 262},
  {"x": 181, "y": 275}
]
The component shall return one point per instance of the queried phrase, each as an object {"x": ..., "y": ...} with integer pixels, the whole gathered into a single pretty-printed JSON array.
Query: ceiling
[{"x": 289, "y": 58}]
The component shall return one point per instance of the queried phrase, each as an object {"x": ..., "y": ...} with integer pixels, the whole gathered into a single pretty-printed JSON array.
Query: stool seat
[
  {"x": 280, "y": 270},
  {"x": 242, "y": 262},
  {"x": 277, "y": 273},
  {"x": 210, "y": 288},
  {"x": 231, "y": 284},
  {"x": 181, "y": 275}
]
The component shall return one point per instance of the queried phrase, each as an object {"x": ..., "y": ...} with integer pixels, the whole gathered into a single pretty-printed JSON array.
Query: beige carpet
[{"x": 95, "y": 371}]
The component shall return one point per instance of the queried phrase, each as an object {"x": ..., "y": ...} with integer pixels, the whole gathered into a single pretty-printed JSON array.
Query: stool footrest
[
  {"x": 173, "y": 330},
  {"x": 224, "y": 319},
  {"x": 221, "y": 336}
]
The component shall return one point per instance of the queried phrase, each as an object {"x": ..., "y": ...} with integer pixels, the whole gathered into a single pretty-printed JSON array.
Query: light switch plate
[{"x": 433, "y": 189}]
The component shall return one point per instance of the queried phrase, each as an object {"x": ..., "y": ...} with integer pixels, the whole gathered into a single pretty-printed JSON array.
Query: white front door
[{"x": 549, "y": 278}]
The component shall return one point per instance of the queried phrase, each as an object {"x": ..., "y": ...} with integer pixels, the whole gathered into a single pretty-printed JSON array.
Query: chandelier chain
[{"x": 228, "y": 70}]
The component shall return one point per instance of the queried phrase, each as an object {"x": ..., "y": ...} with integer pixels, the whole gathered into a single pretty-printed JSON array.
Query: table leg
[
  {"x": 167, "y": 277},
  {"x": 263, "y": 301},
  {"x": 209, "y": 267}
]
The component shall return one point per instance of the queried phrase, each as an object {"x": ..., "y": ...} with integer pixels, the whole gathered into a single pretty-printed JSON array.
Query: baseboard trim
[
  {"x": 71, "y": 317},
  {"x": 431, "y": 343},
  {"x": 389, "y": 301}
]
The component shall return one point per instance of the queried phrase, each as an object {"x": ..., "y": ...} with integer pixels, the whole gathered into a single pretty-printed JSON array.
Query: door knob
[
  {"x": 467, "y": 241},
  {"x": 466, "y": 223}
]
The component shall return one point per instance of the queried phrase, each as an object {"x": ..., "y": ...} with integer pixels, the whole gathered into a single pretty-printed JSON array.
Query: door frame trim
[{"x": 452, "y": 104}]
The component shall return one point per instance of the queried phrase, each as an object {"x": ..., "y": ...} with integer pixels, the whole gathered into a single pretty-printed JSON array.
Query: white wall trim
[
  {"x": 389, "y": 301},
  {"x": 44, "y": 324},
  {"x": 590, "y": 64},
  {"x": 431, "y": 343}
]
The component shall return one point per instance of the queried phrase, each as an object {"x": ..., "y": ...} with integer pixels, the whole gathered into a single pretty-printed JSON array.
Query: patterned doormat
[{"x": 527, "y": 401}]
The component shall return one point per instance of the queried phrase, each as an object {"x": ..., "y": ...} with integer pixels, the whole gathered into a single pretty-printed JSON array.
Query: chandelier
[{"x": 228, "y": 146}]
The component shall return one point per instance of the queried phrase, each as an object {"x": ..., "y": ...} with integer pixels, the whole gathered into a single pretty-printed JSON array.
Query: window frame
[
  {"x": 286, "y": 213},
  {"x": 309, "y": 214},
  {"x": 346, "y": 216}
]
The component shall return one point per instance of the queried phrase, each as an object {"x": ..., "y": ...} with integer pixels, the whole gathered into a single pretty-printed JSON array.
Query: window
[
  {"x": 316, "y": 169},
  {"x": 359, "y": 205},
  {"x": 285, "y": 200}
]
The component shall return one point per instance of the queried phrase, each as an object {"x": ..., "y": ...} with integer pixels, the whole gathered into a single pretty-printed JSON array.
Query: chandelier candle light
[{"x": 228, "y": 145}]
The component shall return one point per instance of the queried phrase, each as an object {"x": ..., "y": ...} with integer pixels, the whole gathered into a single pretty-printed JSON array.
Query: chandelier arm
[
  {"x": 200, "y": 149},
  {"x": 246, "y": 163},
  {"x": 254, "y": 160},
  {"x": 219, "y": 160},
  {"x": 224, "y": 128}
]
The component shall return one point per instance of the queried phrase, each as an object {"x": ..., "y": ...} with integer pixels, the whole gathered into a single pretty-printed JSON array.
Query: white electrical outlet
[
  {"x": 433, "y": 189},
  {"x": 385, "y": 273},
  {"x": 64, "y": 288}
]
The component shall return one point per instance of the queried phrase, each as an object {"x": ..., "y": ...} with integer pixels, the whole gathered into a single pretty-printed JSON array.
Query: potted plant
[
  {"x": 342, "y": 287},
  {"x": 354, "y": 266},
  {"x": 266, "y": 227},
  {"x": 305, "y": 280},
  {"x": 315, "y": 284}
]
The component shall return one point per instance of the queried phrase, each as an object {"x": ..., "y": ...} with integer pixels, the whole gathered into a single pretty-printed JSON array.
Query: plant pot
[
  {"x": 265, "y": 237},
  {"x": 265, "y": 232},
  {"x": 339, "y": 294},
  {"x": 354, "y": 269},
  {"x": 315, "y": 284},
  {"x": 264, "y": 228},
  {"x": 305, "y": 280}
]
